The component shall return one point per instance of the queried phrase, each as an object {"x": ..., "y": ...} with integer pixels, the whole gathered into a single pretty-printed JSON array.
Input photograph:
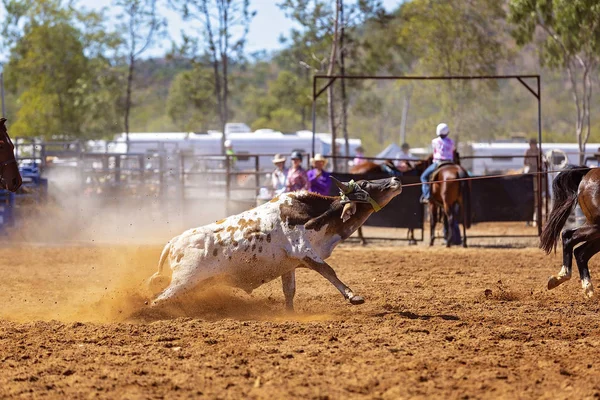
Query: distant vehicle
[
  {"x": 265, "y": 141},
  {"x": 498, "y": 158}
]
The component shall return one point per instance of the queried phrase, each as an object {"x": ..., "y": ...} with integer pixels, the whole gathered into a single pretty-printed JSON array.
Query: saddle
[{"x": 441, "y": 165}]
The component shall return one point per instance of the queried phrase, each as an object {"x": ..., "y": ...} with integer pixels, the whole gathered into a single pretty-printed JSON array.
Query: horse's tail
[
  {"x": 564, "y": 188},
  {"x": 465, "y": 189}
]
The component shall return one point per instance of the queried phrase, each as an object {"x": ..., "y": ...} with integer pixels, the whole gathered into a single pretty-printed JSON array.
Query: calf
[{"x": 291, "y": 231}]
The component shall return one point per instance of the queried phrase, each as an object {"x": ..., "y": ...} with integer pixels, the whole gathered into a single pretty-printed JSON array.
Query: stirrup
[{"x": 424, "y": 200}]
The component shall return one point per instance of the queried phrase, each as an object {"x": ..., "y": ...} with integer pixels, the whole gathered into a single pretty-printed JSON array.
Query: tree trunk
[
  {"x": 224, "y": 61},
  {"x": 344, "y": 99},
  {"x": 405, "y": 107},
  {"x": 330, "y": 98},
  {"x": 128, "y": 95}
]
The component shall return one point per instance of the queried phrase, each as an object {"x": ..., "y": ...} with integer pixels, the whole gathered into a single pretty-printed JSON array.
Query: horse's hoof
[
  {"x": 464, "y": 245},
  {"x": 588, "y": 288},
  {"x": 355, "y": 300}
]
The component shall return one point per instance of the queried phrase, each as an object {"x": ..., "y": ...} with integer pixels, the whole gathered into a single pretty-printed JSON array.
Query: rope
[{"x": 473, "y": 178}]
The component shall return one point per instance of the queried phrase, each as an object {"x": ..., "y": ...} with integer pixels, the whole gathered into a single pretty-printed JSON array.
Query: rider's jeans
[{"x": 425, "y": 178}]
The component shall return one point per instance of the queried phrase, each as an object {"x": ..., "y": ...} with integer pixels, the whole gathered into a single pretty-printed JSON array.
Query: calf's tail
[{"x": 158, "y": 281}]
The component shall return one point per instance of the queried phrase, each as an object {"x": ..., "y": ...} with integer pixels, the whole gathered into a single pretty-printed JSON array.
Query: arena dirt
[{"x": 437, "y": 323}]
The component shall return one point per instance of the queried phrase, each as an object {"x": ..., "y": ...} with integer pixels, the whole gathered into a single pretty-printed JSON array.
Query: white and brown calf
[{"x": 291, "y": 231}]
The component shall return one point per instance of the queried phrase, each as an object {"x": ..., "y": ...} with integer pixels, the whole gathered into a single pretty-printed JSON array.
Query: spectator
[
  {"x": 531, "y": 164},
  {"x": 318, "y": 178},
  {"x": 279, "y": 175},
  {"x": 229, "y": 151},
  {"x": 296, "y": 176},
  {"x": 359, "y": 156},
  {"x": 404, "y": 158},
  {"x": 531, "y": 157}
]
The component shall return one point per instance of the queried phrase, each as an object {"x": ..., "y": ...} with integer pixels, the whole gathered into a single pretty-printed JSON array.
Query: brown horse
[
  {"x": 450, "y": 199},
  {"x": 10, "y": 178},
  {"x": 574, "y": 185}
]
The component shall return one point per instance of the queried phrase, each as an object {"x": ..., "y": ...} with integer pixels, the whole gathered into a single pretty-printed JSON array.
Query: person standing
[
  {"x": 404, "y": 158},
  {"x": 229, "y": 151},
  {"x": 443, "y": 150},
  {"x": 359, "y": 156},
  {"x": 319, "y": 179},
  {"x": 296, "y": 176},
  {"x": 278, "y": 177},
  {"x": 531, "y": 165}
]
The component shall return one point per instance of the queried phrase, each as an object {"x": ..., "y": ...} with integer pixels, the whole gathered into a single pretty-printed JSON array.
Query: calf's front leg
[{"x": 328, "y": 273}]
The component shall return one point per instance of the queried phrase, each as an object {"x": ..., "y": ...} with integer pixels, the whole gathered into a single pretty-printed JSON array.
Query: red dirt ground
[{"x": 437, "y": 323}]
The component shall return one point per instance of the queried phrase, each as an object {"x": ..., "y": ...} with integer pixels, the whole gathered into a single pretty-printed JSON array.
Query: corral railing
[{"x": 213, "y": 186}]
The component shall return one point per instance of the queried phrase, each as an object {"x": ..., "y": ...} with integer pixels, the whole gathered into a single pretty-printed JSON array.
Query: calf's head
[{"x": 375, "y": 193}]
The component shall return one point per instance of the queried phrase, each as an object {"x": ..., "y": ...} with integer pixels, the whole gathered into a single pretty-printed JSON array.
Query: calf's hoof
[{"x": 356, "y": 300}]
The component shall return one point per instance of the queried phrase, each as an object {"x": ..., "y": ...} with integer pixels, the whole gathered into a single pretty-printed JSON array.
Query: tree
[
  {"x": 141, "y": 25},
  {"x": 191, "y": 99},
  {"x": 224, "y": 26},
  {"x": 445, "y": 37},
  {"x": 571, "y": 29},
  {"x": 59, "y": 69}
]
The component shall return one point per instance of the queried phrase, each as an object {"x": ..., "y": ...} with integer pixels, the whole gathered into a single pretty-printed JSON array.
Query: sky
[{"x": 265, "y": 29}]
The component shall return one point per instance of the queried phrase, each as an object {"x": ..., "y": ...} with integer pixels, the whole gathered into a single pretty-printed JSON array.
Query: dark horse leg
[
  {"x": 363, "y": 241},
  {"x": 410, "y": 235},
  {"x": 449, "y": 223},
  {"x": 571, "y": 238},
  {"x": 582, "y": 255},
  {"x": 464, "y": 224},
  {"x": 433, "y": 215}
]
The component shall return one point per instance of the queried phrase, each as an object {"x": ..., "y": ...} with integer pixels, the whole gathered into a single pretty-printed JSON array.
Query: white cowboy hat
[
  {"x": 318, "y": 157},
  {"x": 278, "y": 158},
  {"x": 442, "y": 129},
  {"x": 227, "y": 143}
]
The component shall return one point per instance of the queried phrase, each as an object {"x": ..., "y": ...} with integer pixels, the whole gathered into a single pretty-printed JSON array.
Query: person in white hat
[
  {"x": 320, "y": 181},
  {"x": 443, "y": 150},
  {"x": 278, "y": 176}
]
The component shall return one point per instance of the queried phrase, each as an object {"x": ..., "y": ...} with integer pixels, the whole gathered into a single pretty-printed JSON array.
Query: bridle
[{"x": 353, "y": 187}]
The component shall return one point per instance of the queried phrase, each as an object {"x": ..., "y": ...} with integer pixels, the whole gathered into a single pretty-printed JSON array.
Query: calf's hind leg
[
  {"x": 328, "y": 273},
  {"x": 288, "y": 282}
]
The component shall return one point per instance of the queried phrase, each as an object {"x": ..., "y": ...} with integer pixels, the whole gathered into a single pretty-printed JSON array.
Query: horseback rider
[{"x": 443, "y": 150}]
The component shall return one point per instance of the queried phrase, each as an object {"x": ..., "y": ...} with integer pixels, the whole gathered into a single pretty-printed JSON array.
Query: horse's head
[{"x": 10, "y": 178}]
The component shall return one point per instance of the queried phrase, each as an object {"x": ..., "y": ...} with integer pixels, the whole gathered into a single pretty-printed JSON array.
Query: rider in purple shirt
[{"x": 319, "y": 179}]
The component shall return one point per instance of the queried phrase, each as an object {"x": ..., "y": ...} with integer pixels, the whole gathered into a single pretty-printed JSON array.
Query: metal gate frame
[{"x": 537, "y": 94}]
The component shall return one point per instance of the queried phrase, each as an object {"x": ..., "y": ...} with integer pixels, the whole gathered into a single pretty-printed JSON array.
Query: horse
[
  {"x": 450, "y": 198},
  {"x": 574, "y": 185},
  {"x": 10, "y": 178}
]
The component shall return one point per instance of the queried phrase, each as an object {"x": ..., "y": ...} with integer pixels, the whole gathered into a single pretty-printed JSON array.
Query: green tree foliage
[
  {"x": 65, "y": 85},
  {"x": 571, "y": 29},
  {"x": 445, "y": 37},
  {"x": 191, "y": 102}
]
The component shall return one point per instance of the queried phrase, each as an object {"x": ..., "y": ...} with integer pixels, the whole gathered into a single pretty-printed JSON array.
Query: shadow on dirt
[{"x": 412, "y": 315}]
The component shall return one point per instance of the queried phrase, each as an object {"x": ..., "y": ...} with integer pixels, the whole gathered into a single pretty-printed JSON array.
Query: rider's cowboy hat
[
  {"x": 318, "y": 157},
  {"x": 278, "y": 158}
]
